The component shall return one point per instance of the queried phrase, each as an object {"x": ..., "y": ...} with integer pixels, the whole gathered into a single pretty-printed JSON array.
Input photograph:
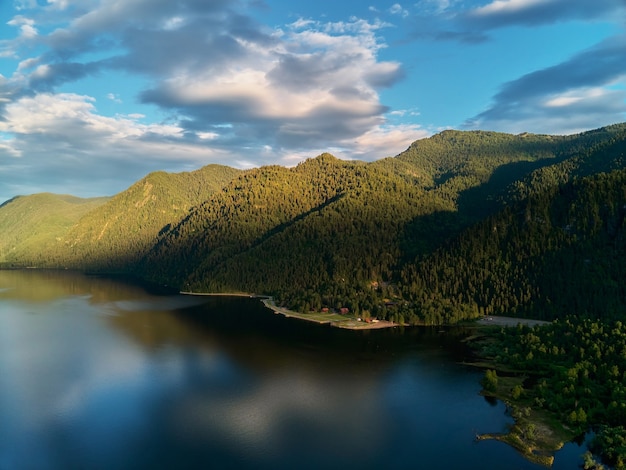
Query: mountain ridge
[{"x": 324, "y": 232}]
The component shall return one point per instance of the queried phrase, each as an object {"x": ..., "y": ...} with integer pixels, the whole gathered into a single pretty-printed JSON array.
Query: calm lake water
[{"x": 100, "y": 374}]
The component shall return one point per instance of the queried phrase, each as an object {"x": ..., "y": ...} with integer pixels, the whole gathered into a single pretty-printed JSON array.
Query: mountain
[
  {"x": 460, "y": 224},
  {"x": 31, "y": 225}
]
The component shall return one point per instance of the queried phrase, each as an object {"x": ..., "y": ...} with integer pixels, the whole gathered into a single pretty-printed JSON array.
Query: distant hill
[
  {"x": 31, "y": 225},
  {"x": 116, "y": 232},
  {"x": 119, "y": 233},
  {"x": 460, "y": 224}
]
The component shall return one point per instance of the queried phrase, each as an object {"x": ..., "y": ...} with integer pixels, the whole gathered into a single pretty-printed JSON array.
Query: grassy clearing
[
  {"x": 328, "y": 318},
  {"x": 316, "y": 317}
]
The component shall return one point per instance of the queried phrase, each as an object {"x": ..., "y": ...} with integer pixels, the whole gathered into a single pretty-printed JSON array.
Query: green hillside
[
  {"x": 304, "y": 228},
  {"x": 561, "y": 251},
  {"x": 31, "y": 225},
  {"x": 117, "y": 233}
]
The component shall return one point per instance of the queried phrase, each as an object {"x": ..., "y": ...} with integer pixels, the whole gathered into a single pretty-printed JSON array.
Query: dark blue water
[{"x": 101, "y": 374}]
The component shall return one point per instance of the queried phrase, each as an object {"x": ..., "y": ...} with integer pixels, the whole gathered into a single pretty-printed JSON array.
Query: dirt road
[{"x": 509, "y": 321}]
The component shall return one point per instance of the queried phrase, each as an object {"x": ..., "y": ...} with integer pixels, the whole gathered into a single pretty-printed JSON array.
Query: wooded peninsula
[{"x": 461, "y": 225}]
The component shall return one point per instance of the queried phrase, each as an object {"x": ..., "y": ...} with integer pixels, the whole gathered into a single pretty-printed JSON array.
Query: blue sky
[{"x": 95, "y": 94}]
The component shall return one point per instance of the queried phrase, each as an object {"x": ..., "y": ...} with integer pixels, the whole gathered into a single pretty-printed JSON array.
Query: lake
[{"x": 99, "y": 373}]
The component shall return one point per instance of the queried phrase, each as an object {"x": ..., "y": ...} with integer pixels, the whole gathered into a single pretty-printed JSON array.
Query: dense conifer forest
[{"x": 459, "y": 226}]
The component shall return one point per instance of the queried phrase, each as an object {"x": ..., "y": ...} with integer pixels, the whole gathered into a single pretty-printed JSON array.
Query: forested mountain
[
  {"x": 545, "y": 253},
  {"x": 323, "y": 222},
  {"x": 118, "y": 234},
  {"x": 460, "y": 224},
  {"x": 330, "y": 233},
  {"x": 32, "y": 225}
]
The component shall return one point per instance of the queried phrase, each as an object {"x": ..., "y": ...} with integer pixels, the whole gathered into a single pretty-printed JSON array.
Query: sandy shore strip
[{"x": 332, "y": 319}]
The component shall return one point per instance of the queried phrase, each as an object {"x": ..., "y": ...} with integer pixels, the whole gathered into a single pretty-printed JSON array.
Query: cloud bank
[
  {"x": 227, "y": 89},
  {"x": 94, "y": 94},
  {"x": 586, "y": 89}
]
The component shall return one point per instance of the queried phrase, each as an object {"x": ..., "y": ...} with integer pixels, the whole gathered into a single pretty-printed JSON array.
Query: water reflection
[{"x": 108, "y": 375}]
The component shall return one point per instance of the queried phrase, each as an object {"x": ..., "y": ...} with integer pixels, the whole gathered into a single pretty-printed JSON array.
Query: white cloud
[
  {"x": 586, "y": 91},
  {"x": 173, "y": 23},
  {"x": 25, "y": 4},
  {"x": 114, "y": 97},
  {"x": 501, "y": 13},
  {"x": 207, "y": 135},
  {"x": 508, "y": 6},
  {"x": 585, "y": 98},
  {"x": 396, "y": 9},
  {"x": 563, "y": 100},
  {"x": 7, "y": 146},
  {"x": 230, "y": 90},
  {"x": 48, "y": 113},
  {"x": 314, "y": 83},
  {"x": 27, "y": 64},
  {"x": 64, "y": 142},
  {"x": 26, "y": 25},
  {"x": 386, "y": 141},
  {"x": 59, "y": 4}
]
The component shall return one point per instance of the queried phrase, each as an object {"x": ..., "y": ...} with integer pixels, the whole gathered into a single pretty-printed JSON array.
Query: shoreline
[
  {"x": 332, "y": 319},
  {"x": 350, "y": 323},
  {"x": 530, "y": 435}
]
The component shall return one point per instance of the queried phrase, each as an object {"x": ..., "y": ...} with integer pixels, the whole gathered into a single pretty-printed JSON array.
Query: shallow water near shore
[{"x": 98, "y": 373}]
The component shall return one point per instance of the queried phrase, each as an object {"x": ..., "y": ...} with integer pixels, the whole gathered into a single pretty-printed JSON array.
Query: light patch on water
[{"x": 157, "y": 304}]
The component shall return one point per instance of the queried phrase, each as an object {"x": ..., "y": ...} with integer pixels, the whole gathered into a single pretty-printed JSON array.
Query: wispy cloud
[
  {"x": 501, "y": 13},
  {"x": 62, "y": 139},
  {"x": 567, "y": 97},
  {"x": 397, "y": 9},
  {"x": 450, "y": 20},
  {"x": 26, "y": 25}
]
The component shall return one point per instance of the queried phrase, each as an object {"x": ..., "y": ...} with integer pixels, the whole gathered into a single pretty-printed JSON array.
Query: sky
[{"x": 95, "y": 94}]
